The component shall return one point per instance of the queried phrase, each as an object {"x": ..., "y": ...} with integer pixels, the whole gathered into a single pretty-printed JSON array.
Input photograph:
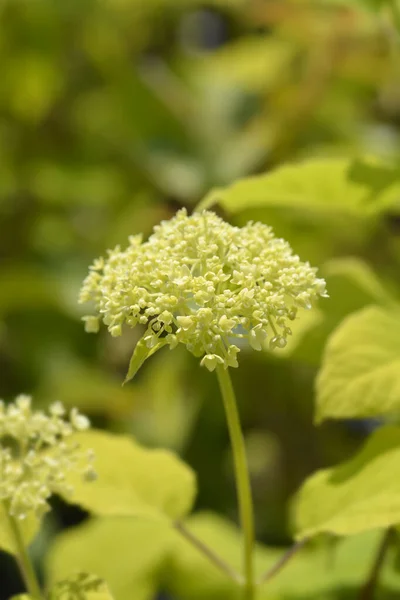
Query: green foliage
[
  {"x": 358, "y": 495},
  {"x": 129, "y": 554},
  {"x": 191, "y": 576},
  {"x": 115, "y": 113},
  {"x": 132, "y": 480},
  {"x": 318, "y": 571},
  {"x": 359, "y": 376},
  {"x": 324, "y": 187}
]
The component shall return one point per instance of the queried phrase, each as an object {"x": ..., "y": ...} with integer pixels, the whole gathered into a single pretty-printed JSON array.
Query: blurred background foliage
[{"x": 114, "y": 113}]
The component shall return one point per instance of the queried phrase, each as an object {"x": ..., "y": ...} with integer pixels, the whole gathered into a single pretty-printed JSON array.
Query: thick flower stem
[
  {"x": 243, "y": 487},
  {"x": 24, "y": 562}
]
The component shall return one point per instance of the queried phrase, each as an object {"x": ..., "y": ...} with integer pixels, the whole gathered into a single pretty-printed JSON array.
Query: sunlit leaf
[
  {"x": 193, "y": 577},
  {"x": 358, "y": 495},
  {"x": 324, "y": 567},
  {"x": 127, "y": 553},
  {"x": 359, "y": 376},
  {"x": 133, "y": 480},
  {"x": 324, "y": 186},
  {"x": 315, "y": 572}
]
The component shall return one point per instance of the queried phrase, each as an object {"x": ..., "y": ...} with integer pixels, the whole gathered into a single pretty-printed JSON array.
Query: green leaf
[
  {"x": 22, "y": 597},
  {"x": 358, "y": 495},
  {"x": 140, "y": 354},
  {"x": 150, "y": 557},
  {"x": 192, "y": 576},
  {"x": 322, "y": 186},
  {"x": 29, "y": 528},
  {"x": 127, "y": 553},
  {"x": 316, "y": 572},
  {"x": 133, "y": 480},
  {"x": 360, "y": 371},
  {"x": 80, "y": 586}
]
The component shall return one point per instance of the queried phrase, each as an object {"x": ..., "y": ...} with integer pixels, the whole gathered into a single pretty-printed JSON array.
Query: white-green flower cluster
[
  {"x": 36, "y": 455},
  {"x": 201, "y": 282}
]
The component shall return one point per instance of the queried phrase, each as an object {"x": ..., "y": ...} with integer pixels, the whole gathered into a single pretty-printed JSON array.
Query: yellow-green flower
[
  {"x": 36, "y": 455},
  {"x": 203, "y": 283}
]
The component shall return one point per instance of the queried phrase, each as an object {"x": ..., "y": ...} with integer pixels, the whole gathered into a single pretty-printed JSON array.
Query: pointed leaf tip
[{"x": 140, "y": 354}]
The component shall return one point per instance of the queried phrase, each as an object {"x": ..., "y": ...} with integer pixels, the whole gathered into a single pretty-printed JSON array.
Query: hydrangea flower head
[
  {"x": 36, "y": 455},
  {"x": 204, "y": 283}
]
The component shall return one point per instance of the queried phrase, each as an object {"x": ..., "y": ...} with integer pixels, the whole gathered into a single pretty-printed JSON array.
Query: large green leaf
[
  {"x": 29, "y": 528},
  {"x": 360, "y": 373},
  {"x": 191, "y": 576},
  {"x": 80, "y": 586},
  {"x": 133, "y": 480},
  {"x": 326, "y": 186},
  {"x": 127, "y": 553},
  {"x": 358, "y": 495},
  {"x": 316, "y": 572}
]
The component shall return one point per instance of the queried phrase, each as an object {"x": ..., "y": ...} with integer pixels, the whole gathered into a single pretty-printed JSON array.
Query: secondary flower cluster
[
  {"x": 35, "y": 455},
  {"x": 201, "y": 282}
]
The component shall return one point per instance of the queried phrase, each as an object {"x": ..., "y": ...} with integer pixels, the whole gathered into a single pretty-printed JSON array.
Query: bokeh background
[{"x": 115, "y": 113}]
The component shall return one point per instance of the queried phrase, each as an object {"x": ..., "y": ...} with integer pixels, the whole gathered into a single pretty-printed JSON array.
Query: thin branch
[
  {"x": 276, "y": 568},
  {"x": 368, "y": 590},
  {"x": 206, "y": 551}
]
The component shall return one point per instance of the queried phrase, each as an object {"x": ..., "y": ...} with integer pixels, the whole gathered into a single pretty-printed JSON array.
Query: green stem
[
  {"x": 22, "y": 557},
  {"x": 243, "y": 487}
]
